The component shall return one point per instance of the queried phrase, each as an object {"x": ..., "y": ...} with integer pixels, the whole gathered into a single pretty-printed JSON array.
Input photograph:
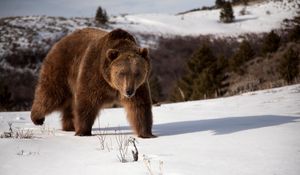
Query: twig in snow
[
  {"x": 147, "y": 163},
  {"x": 47, "y": 130},
  {"x": 135, "y": 152},
  {"x": 123, "y": 143},
  {"x": 17, "y": 134}
]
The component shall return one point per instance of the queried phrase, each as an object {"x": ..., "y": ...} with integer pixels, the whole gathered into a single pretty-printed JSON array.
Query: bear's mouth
[
  {"x": 129, "y": 93},
  {"x": 127, "y": 96}
]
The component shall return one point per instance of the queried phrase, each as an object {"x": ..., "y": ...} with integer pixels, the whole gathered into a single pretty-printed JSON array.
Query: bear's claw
[
  {"x": 83, "y": 134},
  {"x": 38, "y": 121},
  {"x": 147, "y": 136}
]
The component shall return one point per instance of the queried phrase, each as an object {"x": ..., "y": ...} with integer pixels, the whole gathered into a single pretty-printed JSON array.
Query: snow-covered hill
[
  {"x": 253, "y": 133},
  {"x": 30, "y": 31},
  {"x": 260, "y": 17},
  {"x": 87, "y": 8},
  {"x": 21, "y": 33}
]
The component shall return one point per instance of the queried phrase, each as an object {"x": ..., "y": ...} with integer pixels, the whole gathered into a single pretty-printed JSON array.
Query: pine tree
[
  {"x": 294, "y": 34},
  {"x": 271, "y": 42},
  {"x": 219, "y": 3},
  {"x": 5, "y": 98},
  {"x": 101, "y": 15},
  {"x": 245, "y": 2},
  {"x": 244, "y": 54},
  {"x": 226, "y": 13},
  {"x": 289, "y": 65},
  {"x": 245, "y": 51},
  {"x": 203, "y": 78}
]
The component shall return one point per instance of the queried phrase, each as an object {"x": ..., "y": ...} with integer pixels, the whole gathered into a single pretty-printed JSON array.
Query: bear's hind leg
[
  {"x": 45, "y": 102},
  {"x": 67, "y": 119},
  {"x": 38, "y": 114},
  {"x": 40, "y": 108}
]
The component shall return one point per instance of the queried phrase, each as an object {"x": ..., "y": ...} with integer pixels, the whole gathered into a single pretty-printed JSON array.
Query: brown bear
[{"x": 89, "y": 69}]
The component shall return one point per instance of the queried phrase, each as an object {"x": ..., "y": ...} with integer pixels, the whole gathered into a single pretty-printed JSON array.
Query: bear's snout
[{"x": 129, "y": 92}]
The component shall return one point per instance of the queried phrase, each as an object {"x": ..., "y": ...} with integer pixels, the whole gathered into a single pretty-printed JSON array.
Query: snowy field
[
  {"x": 259, "y": 17},
  {"x": 252, "y": 133},
  {"x": 87, "y": 8}
]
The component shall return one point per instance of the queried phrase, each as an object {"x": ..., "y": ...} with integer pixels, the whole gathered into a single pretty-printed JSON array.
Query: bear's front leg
[
  {"x": 139, "y": 112},
  {"x": 85, "y": 115}
]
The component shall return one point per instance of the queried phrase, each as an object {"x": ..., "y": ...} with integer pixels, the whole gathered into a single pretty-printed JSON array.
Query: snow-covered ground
[
  {"x": 259, "y": 17},
  {"x": 87, "y": 8},
  {"x": 252, "y": 133}
]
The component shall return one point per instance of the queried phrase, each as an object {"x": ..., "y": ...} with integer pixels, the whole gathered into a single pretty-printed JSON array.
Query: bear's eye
[
  {"x": 122, "y": 74},
  {"x": 137, "y": 74}
]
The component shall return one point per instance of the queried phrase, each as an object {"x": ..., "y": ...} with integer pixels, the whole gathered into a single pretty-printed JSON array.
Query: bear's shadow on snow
[
  {"x": 223, "y": 125},
  {"x": 218, "y": 126}
]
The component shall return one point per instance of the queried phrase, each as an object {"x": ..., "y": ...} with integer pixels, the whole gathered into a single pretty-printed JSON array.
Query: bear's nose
[{"x": 129, "y": 92}]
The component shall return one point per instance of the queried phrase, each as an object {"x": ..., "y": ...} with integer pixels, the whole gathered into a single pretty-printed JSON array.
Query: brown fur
[{"x": 89, "y": 69}]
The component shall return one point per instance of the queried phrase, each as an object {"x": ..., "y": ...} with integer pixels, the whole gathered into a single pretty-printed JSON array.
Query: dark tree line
[
  {"x": 209, "y": 63},
  {"x": 289, "y": 65},
  {"x": 206, "y": 73}
]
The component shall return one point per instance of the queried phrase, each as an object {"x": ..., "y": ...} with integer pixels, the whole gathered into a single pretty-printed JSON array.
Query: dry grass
[{"x": 18, "y": 133}]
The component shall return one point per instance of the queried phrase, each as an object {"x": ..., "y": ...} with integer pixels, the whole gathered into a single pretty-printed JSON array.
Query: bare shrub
[
  {"x": 23, "y": 134},
  {"x": 244, "y": 11},
  {"x": 102, "y": 138},
  {"x": 8, "y": 134},
  {"x": 135, "y": 152},
  {"x": 123, "y": 143},
  {"x": 23, "y": 152},
  {"x": 19, "y": 133},
  {"x": 108, "y": 145},
  {"x": 45, "y": 129},
  {"x": 150, "y": 169}
]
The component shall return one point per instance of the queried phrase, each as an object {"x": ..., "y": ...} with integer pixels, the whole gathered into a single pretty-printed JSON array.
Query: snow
[
  {"x": 260, "y": 17},
  {"x": 88, "y": 8},
  {"x": 36, "y": 32},
  {"x": 251, "y": 133},
  {"x": 40, "y": 32}
]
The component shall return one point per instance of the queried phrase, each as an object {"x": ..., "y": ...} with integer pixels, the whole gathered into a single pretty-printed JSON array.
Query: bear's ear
[
  {"x": 144, "y": 52},
  {"x": 112, "y": 54}
]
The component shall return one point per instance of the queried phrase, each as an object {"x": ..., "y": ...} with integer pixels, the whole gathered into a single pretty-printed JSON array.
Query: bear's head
[{"x": 128, "y": 70}]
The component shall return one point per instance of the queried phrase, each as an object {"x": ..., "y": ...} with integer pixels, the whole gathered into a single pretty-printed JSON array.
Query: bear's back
[
  {"x": 64, "y": 58},
  {"x": 79, "y": 40}
]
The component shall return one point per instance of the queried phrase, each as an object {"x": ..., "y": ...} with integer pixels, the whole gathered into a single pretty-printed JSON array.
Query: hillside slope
[
  {"x": 259, "y": 17},
  {"x": 25, "y": 40},
  {"x": 253, "y": 133}
]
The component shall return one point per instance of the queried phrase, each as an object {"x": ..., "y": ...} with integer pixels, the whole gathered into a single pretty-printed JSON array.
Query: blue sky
[{"x": 87, "y": 8}]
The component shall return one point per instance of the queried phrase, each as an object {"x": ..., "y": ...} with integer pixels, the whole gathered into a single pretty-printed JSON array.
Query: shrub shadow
[{"x": 245, "y": 19}]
